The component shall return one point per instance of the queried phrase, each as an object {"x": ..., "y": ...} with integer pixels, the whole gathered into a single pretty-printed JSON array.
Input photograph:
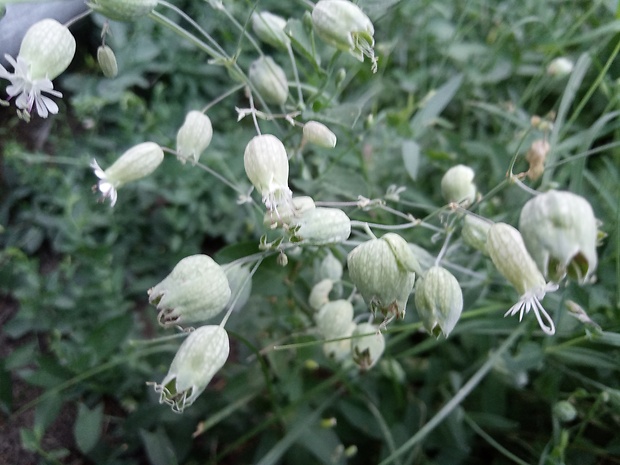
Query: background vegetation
[{"x": 458, "y": 82}]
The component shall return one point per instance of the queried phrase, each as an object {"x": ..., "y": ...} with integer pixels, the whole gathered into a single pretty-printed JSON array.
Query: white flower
[
  {"x": 106, "y": 188},
  {"x": 530, "y": 300},
  {"x": 29, "y": 91}
]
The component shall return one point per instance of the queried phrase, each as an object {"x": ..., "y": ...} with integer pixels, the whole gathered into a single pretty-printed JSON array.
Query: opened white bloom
[
  {"x": 510, "y": 256},
  {"x": 46, "y": 51},
  {"x": 136, "y": 163}
]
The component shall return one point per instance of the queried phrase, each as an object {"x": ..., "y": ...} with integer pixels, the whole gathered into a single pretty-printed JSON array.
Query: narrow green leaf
[
  {"x": 301, "y": 41},
  {"x": 411, "y": 158},
  {"x": 158, "y": 448},
  {"x": 586, "y": 357},
  {"x": 435, "y": 105},
  {"x": 87, "y": 427},
  {"x": 46, "y": 412}
]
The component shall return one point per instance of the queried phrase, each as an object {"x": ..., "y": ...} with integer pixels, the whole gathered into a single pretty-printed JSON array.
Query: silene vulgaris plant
[{"x": 372, "y": 279}]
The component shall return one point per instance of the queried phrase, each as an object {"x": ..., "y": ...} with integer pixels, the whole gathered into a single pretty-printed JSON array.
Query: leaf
[
  {"x": 158, "y": 448},
  {"x": 411, "y": 158},
  {"x": 6, "y": 389},
  {"x": 586, "y": 357},
  {"x": 435, "y": 105},
  {"x": 46, "y": 412},
  {"x": 108, "y": 337},
  {"x": 301, "y": 41},
  {"x": 87, "y": 427}
]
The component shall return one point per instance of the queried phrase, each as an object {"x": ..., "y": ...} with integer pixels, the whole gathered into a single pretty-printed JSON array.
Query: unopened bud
[
  {"x": 200, "y": 356},
  {"x": 340, "y": 350},
  {"x": 560, "y": 232},
  {"x": 564, "y": 411},
  {"x": 560, "y": 67},
  {"x": 319, "y": 295},
  {"x": 330, "y": 268},
  {"x": 196, "y": 290},
  {"x": 270, "y": 29},
  {"x": 439, "y": 300},
  {"x": 321, "y": 226},
  {"x": 194, "y": 136},
  {"x": 475, "y": 231},
  {"x": 107, "y": 61},
  {"x": 334, "y": 319},
  {"x": 457, "y": 185},
  {"x": 367, "y": 345},
  {"x": 269, "y": 80},
  {"x": 383, "y": 270},
  {"x": 123, "y": 10},
  {"x": 240, "y": 283},
  {"x": 318, "y": 134}
]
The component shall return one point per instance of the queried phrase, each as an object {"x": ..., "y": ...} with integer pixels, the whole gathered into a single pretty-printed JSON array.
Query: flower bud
[
  {"x": 136, "y": 163},
  {"x": 536, "y": 158},
  {"x": 334, "y": 319},
  {"x": 200, "y": 356},
  {"x": 319, "y": 295},
  {"x": 439, "y": 300},
  {"x": 367, "y": 345},
  {"x": 288, "y": 212},
  {"x": 123, "y": 10},
  {"x": 510, "y": 256},
  {"x": 269, "y": 80},
  {"x": 343, "y": 25},
  {"x": 270, "y": 29},
  {"x": 107, "y": 61},
  {"x": 240, "y": 282},
  {"x": 560, "y": 232},
  {"x": 475, "y": 231},
  {"x": 318, "y": 134},
  {"x": 321, "y": 226},
  {"x": 48, "y": 47},
  {"x": 457, "y": 185},
  {"x": 383, "y": 270},
  {"x": 194, "y": 136},
  {"x": 196, "y": 290},
  {"x": 564, "y": 411},
  {"x": 266, "y": 165},
  {"x": 560, "y": 67},
  {"x": 330, "y": 268},
  {"x": 340, "y": 350}
]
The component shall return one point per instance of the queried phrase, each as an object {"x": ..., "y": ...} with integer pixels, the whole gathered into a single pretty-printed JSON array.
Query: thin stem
[
  {"x": 444, "y": 247},
  {"x": 75, "y": 19},
  {"x": 458, "y": 398},
  {"x": 300, "y": 95},
  {"x": 222, "y": 97},
  {"x": 231, "y": 305},
  {"x": 492, "y": 442}
]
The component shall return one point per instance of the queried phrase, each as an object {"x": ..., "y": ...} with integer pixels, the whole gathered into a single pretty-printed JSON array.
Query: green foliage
[{"x": 458, "y": 83}]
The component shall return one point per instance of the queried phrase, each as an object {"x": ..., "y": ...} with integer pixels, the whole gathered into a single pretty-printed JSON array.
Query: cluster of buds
[
  {"x": 383, "y": 270},
  {"x": 343, "y": 25},
  {"x": 46, "y": 51}
]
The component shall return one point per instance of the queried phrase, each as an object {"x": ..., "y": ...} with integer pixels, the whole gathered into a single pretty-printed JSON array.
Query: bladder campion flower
[
  {"x": 197, "y": 289},
  {"x": 510, "y": 256},
  {"x": 136, "y": 163},
  {"x": 270, "y": 29},
  {"x": 367, "y": 345},
  {"x": 46, "y": 51},
  {"x": 321, "y": 226},
  {"x": 560, "y": 231},
  {"x": 194, "y": 136},
  {"x": 318, "y": 134},
  {"x": 439, "y": 300},
  {"x": 269, "y": 80},
  {"x": 343, "y": 25},
  {"x": 457, "y": 185},
  {"x": 200, "y": 356}
]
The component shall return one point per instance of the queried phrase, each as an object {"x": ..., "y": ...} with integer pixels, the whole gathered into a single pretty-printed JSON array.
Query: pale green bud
[
  {"x": 383, "y": 270},
  {"x": 136, "y": 163},
  {"x": 270, "y": 29},
  {"x": 266, "y": 165},
  {"x": 564, "y": 411},
  {"x": 475, "y": 231},
  {"x": 194, "y": 136},
  {"x": 393, "y": 370},
  {"x": 123, "y": 10},
  {"x": 560, "y": 67},
  {"x": 240, "y": 282},
  {"x": 107, "y": 61},
  {"x": 330, "y": 267},
  {"x": 288, "y": 212},
  {"x": 334, "y": 319},
  {"x": 368, "y": 348},
  {"x": 48, "y": 47},
  {"x": 196, "y": 290},
  {"x": 321, "y": 226},
  {"x": 343, "y": 25},
  {"x": 340, "y": 350},
  {"x": 439, "y": 300},
  {"x": 319, "y": 295},
  {"x": 510, "y": 256},
  {"x": 200, "y": 356},
  {"x": 560, "y": 232},
  {"x": 318, "y": 134},
  {"x": 457, "y": 185},
  {"x": 269, "y": 80}
]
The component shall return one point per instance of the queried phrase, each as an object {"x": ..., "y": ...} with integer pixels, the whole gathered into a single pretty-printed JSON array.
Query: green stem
[{"x": 458, "y": 398}]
